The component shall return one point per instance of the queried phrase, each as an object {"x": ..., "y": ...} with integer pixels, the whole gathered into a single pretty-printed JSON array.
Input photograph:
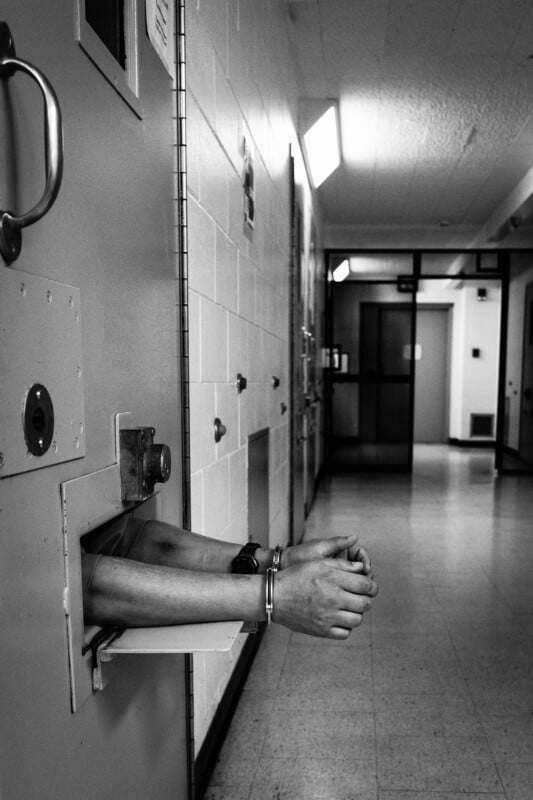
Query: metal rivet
[
  {"x": 49, "y": 296},
  {"x": 23, "y": 289},
  {"x": 54, "y": 447},
  {"x": 76, "y": 442},
  {"x": 2, "y": 461}
]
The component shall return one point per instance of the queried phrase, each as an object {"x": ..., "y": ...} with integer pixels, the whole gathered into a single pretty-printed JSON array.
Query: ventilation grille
[{"x": 482, "y": 425}]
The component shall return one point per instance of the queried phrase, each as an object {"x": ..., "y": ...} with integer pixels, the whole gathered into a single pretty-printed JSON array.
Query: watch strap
[{"x": 245, "y": 560}]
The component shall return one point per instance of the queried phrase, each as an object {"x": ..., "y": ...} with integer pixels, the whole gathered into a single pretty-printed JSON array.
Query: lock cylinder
[{"x": 157, "y": 463}]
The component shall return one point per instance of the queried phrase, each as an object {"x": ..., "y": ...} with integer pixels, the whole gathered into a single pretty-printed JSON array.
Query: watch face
[{"x": 244, "y": 562}]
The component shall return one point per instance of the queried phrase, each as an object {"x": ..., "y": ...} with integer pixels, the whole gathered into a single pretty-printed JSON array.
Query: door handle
[{"x": 11, "y": 224}]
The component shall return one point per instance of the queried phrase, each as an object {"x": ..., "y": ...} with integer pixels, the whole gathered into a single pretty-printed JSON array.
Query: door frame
[{"x": 500, "y": 273}]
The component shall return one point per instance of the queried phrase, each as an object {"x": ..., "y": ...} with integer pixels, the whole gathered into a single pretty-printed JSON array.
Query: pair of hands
[{"x": 324, "y": 587}]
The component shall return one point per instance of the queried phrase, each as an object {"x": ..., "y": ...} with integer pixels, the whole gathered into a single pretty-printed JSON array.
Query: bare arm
[
  {"x": 133, "y": 594},
  {"x": 325, "y": 598},
  {"x": 166, "y": 545}
]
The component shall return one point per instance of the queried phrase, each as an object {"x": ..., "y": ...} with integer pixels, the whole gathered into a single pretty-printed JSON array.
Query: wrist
[
  {"x": 271, "y": 557},
  {"x": 264, "y": 556}
]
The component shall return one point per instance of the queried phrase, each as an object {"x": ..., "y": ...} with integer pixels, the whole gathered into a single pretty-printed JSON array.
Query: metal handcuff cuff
[{"x": 269, "y": 586}]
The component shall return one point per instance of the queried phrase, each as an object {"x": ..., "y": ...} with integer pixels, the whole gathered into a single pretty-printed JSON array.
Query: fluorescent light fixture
[
  {"x": 342, "y": 271},
  {"x": 322, "y": 146}
]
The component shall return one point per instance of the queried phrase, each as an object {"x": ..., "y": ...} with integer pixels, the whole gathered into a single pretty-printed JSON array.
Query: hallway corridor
[{"x": 432, "y": 698}]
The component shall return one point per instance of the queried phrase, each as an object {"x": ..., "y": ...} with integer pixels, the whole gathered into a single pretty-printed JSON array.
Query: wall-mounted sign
[
  {"x": 416, "y": 354},
  {"x": 248, "y": 185},
  {"x": 160, "y": 24}
]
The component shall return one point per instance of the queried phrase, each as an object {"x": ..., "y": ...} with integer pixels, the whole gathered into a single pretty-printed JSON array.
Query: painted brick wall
[{"x": 241, "y": 83}]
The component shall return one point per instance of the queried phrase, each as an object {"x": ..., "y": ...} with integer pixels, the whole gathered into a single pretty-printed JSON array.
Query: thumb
[{"x": 339, "y": 544}]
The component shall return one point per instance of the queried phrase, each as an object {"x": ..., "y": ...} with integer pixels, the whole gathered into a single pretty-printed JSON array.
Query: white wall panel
[
  {"x": 241, "y": 82},
  {"x": 201, "y": 250}
]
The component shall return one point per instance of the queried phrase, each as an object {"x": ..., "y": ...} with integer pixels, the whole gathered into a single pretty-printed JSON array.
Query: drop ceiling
[{"x": 435, "y": 101}]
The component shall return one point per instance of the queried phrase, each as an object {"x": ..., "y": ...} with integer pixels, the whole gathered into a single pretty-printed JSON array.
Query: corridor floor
[{"x": 432, "y": 697}]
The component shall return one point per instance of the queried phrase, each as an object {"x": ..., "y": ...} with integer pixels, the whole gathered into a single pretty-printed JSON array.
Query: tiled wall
[{"x": 240, "y": 82}]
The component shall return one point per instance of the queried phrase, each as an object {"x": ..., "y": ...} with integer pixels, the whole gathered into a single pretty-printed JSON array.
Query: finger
[
  {"x": 355, "y": 603},
  {"x": 359, "y": 584},
  {"x": 344, "y": 566},
  {"x": 360, "y": 554},
  {"x": 338, "y": 633},
  {"x": 345, "y": 626},
  {"x": 348, "y": 619}
]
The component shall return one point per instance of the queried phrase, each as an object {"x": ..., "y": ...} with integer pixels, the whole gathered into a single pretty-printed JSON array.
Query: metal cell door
[
  {"x": 526, "y": 415},
  {"x": 298, "y": 353},
  {"x": 94, "y": 323}
]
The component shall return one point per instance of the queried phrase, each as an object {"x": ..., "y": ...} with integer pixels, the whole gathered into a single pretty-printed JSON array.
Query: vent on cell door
[{"x": 482, "y": 425}]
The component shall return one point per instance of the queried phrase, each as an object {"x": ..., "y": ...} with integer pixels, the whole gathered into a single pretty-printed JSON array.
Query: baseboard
[
  {"x": 487, "y": 443},
  {"x": 206, "y": 759}
]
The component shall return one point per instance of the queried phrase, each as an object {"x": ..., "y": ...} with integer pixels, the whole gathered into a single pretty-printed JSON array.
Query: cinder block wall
[{"x": 241, "y": 84}]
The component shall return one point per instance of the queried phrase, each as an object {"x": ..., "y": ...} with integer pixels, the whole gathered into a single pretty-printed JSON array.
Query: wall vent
[{"x": 482, "y": 425}]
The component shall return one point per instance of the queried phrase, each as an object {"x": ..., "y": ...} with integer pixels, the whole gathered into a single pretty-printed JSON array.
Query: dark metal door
[
  {"x": 386, "y": 385},
  {"x": 526, "y": 411},
  {"x": 297, "y": 355}
]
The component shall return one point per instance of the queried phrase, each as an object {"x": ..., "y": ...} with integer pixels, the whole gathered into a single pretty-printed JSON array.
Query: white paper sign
[
  {"x": 417, "y": 354},
  {"x": 160, "y": 24}
]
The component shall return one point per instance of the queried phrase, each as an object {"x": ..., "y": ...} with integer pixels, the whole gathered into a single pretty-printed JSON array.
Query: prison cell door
[
  {"x": 90, "y": 305},
  {"x": 526, "y": 415},
  {"x": 298, "y": 352}
]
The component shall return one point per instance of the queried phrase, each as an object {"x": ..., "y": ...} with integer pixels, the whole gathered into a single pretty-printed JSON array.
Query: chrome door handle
[{"x": 11, "y": 224}]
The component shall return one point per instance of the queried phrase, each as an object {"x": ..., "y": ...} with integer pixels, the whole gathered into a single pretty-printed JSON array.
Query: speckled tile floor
[{"x": 432, "y": 698}]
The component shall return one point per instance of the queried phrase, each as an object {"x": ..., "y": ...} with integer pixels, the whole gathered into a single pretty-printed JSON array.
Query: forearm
[
  {"x": 129, "y": 593},
  {"x": 192, "y": 551}
]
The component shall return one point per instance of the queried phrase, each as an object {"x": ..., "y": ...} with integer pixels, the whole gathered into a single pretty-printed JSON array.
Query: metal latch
[
  {"x": 105, "y": 636},
  {"x": 142, "y": 463}
]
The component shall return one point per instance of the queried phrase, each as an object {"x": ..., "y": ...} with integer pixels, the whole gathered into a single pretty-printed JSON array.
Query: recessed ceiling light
[
  {"x": 322, "y": 146},
  {"x": 342, "y": 271}
]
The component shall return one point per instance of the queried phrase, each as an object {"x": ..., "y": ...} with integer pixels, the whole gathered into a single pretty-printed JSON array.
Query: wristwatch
[{"x": 245, "y": 562}]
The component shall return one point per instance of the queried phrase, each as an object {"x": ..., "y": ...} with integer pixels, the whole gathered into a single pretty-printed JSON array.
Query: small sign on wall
[
  {"x": 417, "y": 352},
  {"x": 248, "y": 185},
  {"x": 160, "y": 24}
]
